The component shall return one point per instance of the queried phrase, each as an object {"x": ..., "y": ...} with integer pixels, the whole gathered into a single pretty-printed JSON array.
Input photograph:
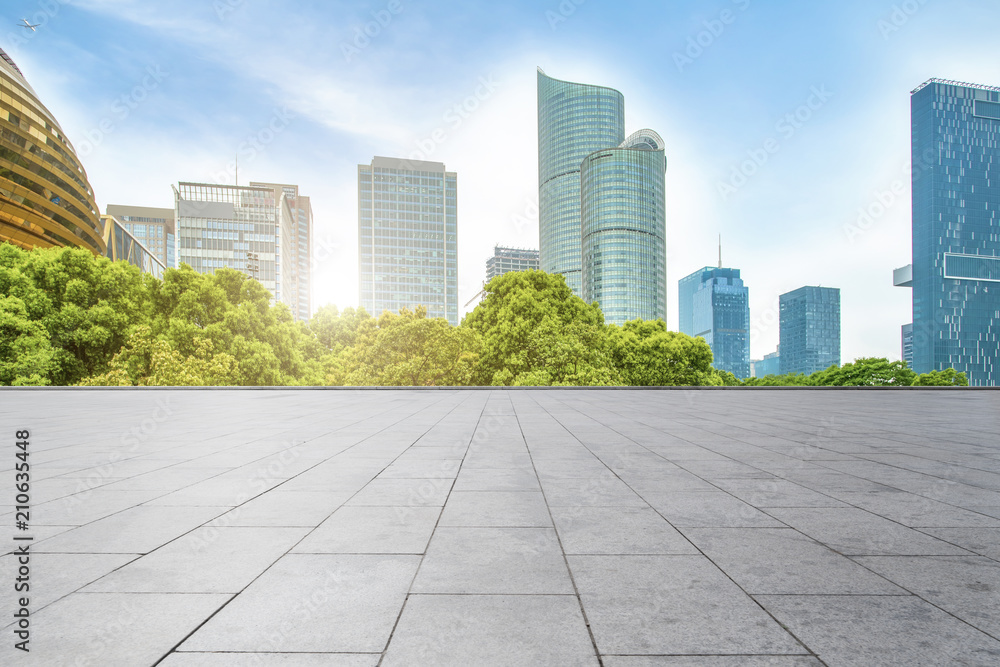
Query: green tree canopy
[
  {"x": 647, "y": 355},
  {"x": 866, "y": 372},
  {"x": 949, "y": 377}
]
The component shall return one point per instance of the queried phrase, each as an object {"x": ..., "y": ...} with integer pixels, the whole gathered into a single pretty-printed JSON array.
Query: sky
[{"x": 786, "y": 123}]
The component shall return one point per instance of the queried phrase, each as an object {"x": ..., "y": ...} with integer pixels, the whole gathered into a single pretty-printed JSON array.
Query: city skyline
[{"x": 812, "y": 207}]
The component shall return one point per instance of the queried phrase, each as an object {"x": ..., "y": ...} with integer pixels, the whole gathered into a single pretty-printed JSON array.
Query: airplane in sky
[{"x": 28, "y": 25}]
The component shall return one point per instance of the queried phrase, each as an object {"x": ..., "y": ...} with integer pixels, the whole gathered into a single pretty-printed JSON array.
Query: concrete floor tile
[
  {"x": 598, "y": 491},
  {"x": 494, "y": 561},
  {"x": 373, "y": 530},
  {"x": 982, "y": 541},
  {"x": 500, "y": 479},
  {"x": 709, "y": 509},
  {"x": 711, "y": 661},
  {"x": 271, "y": 659},
  {"x": 313, "y": 603},
  {"x": 55, "y": 576},
  {"x": 618, "y": 530},
  {"x": 672, "y": 605},
  {"x": 403, "y": 493},
  {"x": 491, "y": 630},
  {"x": 286, "y": 508},
  {"x": 496, "y": 508}
]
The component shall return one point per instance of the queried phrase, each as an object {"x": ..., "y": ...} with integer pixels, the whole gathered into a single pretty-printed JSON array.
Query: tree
[
  {"x": 411, "y": 350},
  {"x": 867, "y": 372},
  {"x": 536, "y": 332},
  {"x": 26, "y": 356},
  {"x": 646, "y": 354},
  {"x": 786, "y": 380},
  {"x": 948, "y": 377}
]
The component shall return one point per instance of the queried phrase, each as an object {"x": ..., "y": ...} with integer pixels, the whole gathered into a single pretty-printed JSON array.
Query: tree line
[{"x": 70, "y": 318}]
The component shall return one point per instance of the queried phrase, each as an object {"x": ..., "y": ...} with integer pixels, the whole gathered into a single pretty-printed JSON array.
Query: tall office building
[
  {"x": 45, "y": 198},
  {"x": 574, "y": 120},
  {"x": 715, "y": 304},
  {"x": 232, "y": 226},
  {"x": 506, "y": 260},
  {"x": 408, "y": 237},
  {"x": 769, "y": 365},
  {"x": 906, "y": 336},
  {"x": 602, "y": 210},
  {"x": 122, "y": 245},
  {"x": 623, "y": 229},
  {"x": 956, "y": 229},
  {"x": 810, "y": 329},
  {"x": 297, "y": 238},
  {"x": 152, "y": 227}
]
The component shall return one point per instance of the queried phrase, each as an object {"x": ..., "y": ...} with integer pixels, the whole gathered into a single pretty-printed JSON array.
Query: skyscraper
[
  {"x": 297, "y": 238},
  {"x": 956, "y": 229},
  {"x": 715, "y": 304},
  {"x": 810, "y": 329},
  {"x": 122, "y": 245},
  {"x": 506, "y": 260},
  {"x": 45, "y": 198},
  {"x": 574, "y": 120},
  {"x": 232, "y": 226},
  {"x": 602, "y": 211},
  {"x": 623, "y": 229},
  {"x": 408, "y": 237},
  {"x": 152, "y": 227}
]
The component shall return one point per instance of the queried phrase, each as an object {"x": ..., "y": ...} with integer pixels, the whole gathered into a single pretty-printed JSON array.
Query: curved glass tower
[
  {"x": 574, "y": 120},
  {"x": 623, "y": 229},
  {"x": 45, "y": 198}
]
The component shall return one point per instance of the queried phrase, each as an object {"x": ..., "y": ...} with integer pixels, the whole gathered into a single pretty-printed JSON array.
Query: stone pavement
[{"x": 556, "y": 527}]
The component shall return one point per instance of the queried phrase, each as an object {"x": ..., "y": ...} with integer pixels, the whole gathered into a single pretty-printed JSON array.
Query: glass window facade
[
  {"x": 623, "y": 233},
  {"x": 45, "y": 198},
  {"x": 715, "y": 304},
  {"x": 408, "y": 237},
  {"x": 574, "y": 120},
  {"x": 810, "y": 329},
  {"x": 152, "y": 227},
  {"x": 295, "y": 221},
  {"x": 506, "y": 260},
  {"x": 122, "y": 245},
  {"x": 956, "y": 229}
]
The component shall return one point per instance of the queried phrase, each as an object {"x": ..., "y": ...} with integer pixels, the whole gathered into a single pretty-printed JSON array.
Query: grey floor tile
[
  {"x": 598, "y": 491},
  {"x": 340, "y": 603},
  {"x": 853, "y": 531},
  {"x": 983, "y": 541},
  {"x": 501, "y": 479},
  {"x": 672, "y": 605},
  {"x": 206, "y": 560},
  {"x": 496, "y": 508},
  {"x": 708, "y": 509},
  {"x": 617, "y": 530},
  {"x": 134, "y": 531},
  {"x": 858, "y": 630},
  {"x": 776, "y": 493},
  {"x": 55, "y": 576},
  {"x": 286, "y": 508},
  {"x": 271, "y": 659},
  {"x": 375, "y": 530},
  {"x": 968, "y": 587},
  {"x": 403, "y": 493},
  {"x": 711, "y": 661},
  {"x": 112, "y": 629},
  {"x": 918, "y": 511},
  {"x": 493, "y": 561},
  {"x": 782, "y": 561},
  {"x": 422, "y": 469},
  {"x": 491, "y": 630}
]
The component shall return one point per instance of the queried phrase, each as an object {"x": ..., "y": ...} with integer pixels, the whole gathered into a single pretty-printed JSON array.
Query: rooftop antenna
[{"x": 720, "y": 251}]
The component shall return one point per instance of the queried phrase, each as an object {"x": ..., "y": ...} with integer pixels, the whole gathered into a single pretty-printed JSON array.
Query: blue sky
[{"x": 783, "y": 120}]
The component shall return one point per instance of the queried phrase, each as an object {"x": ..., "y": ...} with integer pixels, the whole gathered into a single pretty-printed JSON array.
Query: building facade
[
  {"x": 574, "y": 120},
  {"x": 809, "y": 329},
  {"x": 408, "y": 237},
  {"x": 956, "y": 229},
  {"x": 296, "y": 223},
  {"x": 623, "y": 229},
  {"x": 230, "y": 226},
  {"x": 769, "y": 365},
  {"x": 715, "y": 304},
  {"x": 906, "y": 336},
  {"x": 507, "y": 260},
  {"x": 154, "y": 228},
  {"x": 122, "y": 245},
  {"x": 45, "y": 198}
]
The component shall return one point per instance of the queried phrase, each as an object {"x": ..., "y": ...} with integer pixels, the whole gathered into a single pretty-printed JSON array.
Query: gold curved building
[{"x": 45, "y": 198}]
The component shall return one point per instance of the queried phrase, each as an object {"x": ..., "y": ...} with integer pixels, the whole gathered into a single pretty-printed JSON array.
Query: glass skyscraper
[
  {"x": 296, "y": 232},
  {"x": 623, "y": 229},
  {"x": 956, "y": 229},
  {"x": 715, "y": 304},
  {"x": 408, "y": 237},
  {"x": 574, "y": 120},
  {"x": 602, "y": 211},
  {"x": 152, "y": 227},
  {"x": 810, "y": 329}
]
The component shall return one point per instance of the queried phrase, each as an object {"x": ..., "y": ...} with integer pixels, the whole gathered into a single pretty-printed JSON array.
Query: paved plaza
[{"x": 786, "y": 528}]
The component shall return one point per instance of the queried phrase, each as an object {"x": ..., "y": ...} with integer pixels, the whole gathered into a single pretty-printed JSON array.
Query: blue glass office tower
[
  {"x": 809, "y": 329},
  {"x": 408, "y": 237},
  {"x": 574, "y": 120},
  {"x": 715, "y": 304},
  {"x": 956, "y": 229}
]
